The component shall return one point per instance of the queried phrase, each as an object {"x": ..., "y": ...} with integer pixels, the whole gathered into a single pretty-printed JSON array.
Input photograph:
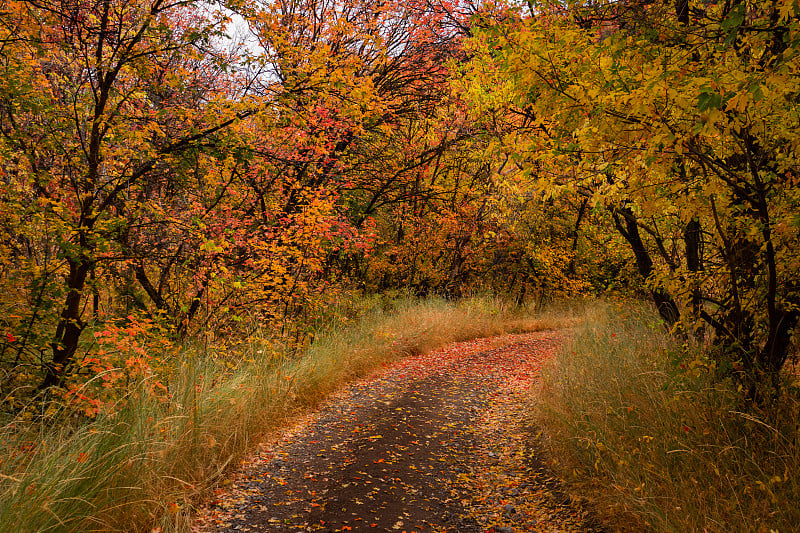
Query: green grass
[
  {"x": 657, "y": 442},
  {"x": 149, "y": 462}
]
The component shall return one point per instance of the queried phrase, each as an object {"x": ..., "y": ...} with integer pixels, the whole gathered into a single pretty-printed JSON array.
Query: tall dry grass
[
  {"x": 145, "y": 464},
  {"x": 658, "y": 441}
]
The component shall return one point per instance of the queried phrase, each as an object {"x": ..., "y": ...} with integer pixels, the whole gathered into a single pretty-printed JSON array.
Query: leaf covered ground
[{"x": 434, "y": 443}]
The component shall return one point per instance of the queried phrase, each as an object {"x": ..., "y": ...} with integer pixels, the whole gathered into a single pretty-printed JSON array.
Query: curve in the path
[{"x": 419, "y": 448}]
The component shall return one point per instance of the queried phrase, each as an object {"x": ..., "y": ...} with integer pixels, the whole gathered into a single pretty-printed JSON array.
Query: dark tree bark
[
  {"x": 692, "y": 238},
  {"x": 625, "y": 222},
  {"x": 70, "y": 326}
]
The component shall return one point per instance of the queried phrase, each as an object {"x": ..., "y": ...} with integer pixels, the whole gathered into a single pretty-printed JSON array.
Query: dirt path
[{"x": 436, "y": 443}]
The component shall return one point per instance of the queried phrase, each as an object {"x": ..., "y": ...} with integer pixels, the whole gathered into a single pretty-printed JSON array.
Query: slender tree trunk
[
  {"x": 694, "y": 260},
  {"x": 70, "y": 326},
  {"x": 626, "y": 224},
  {"x": 576, "y": 235}
]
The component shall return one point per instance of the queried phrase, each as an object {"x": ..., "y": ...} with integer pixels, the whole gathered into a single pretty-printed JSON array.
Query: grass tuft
[
  {"x": 147, "y": 463},
  {"x": 657, "y": 442}
]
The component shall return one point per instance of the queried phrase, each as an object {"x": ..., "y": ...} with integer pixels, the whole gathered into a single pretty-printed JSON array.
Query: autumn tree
[
  {"x": 677, "y": 118},
  {"x": 104, "y": 105},
  {"x": 151, "y": 171},
  {"x": 361, "y": 92}
]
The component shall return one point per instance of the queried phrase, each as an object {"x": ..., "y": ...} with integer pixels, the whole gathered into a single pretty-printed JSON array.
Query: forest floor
[{"x": 437, "y": 442}]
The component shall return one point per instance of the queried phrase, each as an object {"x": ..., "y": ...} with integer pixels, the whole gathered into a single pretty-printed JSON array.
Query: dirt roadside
[{"x": 435, "y": 443}]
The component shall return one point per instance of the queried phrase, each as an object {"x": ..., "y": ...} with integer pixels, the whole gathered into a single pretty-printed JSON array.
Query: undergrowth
[
  {"x": 658, "y": 441},
  {"x": 147, "y": 462}
]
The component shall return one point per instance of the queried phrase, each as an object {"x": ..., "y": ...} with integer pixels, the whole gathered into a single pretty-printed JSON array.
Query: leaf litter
[{"x": 438, "y": 442}]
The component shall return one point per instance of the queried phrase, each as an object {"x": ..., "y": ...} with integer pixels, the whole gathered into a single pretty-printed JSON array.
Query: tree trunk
[
  {"x": 625, "y": 222},
  {"x": 70, "y": 326},
  {"x": 694, "y": 260}
]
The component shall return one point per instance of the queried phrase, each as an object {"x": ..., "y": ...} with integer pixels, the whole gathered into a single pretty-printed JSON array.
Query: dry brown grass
[
  {"x": 147, "y": 464},
  {"x": 661, "y": 447}
]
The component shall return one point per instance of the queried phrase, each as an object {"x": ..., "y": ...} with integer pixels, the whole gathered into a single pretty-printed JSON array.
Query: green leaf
[
  {"x": 732, "y": 22},
  {"x": 708, "y": 100}
]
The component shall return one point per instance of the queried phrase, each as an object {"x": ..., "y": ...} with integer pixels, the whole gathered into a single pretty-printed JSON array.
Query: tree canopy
[
  {"x": 678, "y": 120},
  {"x": 161, "y": 179}
]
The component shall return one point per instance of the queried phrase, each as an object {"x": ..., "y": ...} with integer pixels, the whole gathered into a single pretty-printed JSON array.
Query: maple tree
[
  {"x": 103, "y": 107},
  {"x": 382, "y": 131},
  {"x": 155, "y": 172},
  {"x": 678, "y": 120}
]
